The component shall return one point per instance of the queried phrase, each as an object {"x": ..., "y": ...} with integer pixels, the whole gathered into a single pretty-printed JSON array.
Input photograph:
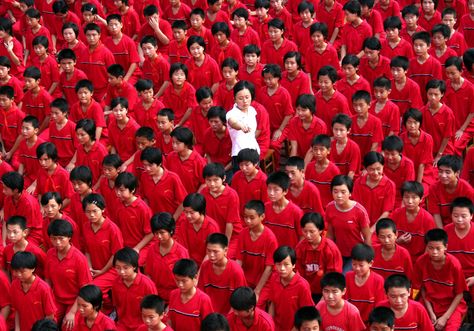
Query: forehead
[
  {"x": 461, "y": 210},
  {"x": 435, "y": 243}
]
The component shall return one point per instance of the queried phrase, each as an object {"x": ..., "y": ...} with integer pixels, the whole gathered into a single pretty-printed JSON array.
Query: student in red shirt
[
  {"x": 440, "y": 50},
  {"x": 163, "y": 254},
  {"x": 47, "y": 65},
  {"x": 122, "y": 129},
  {"x": 153, "y": 314},
  {"x": 188, "y": 305},
  {"x": 203, "y": 69},
  {"x": 300, "y": 31},
  {"x": 274, "y": 49},
  {"x": 383, "y": 108},
  {"x": 243, "y": 34},
  {"x": 223, "y": 46},
  {"x": 394, "y": 45},
  {"x": 374, "y": 189},
  {"x": 118, "y": 87},
  {"x": 352, "y": 81},
  {"x": 81, "y": 179},
  {"x": 7, "y": 79},
  {"x": 66, "y": 270},
  {"x": 12, "y": 48},
  {"x": 198, "y": 121},
  {"x": 156, "y": 26},
  {"x": 294, "y": 79},
  {"x": 440, "y": 278},
  {"x": 317, "y": 254},
  {"x": 156, "y": 67},
  {"x": 224, "y": 96},
  {"x": 252, "y": 68},
  {"x": 177, "y": 50},
  {"x": 69, "y": 75},
  {"x": 34, "y": 29},
  {"x": 90, "y": 316},
  {"x": 307, "y": 317},
  {"x": 165, "y": 121},
  {"x": 373, "y": 17},
  {"x": 217, "y": 142},
  {"x": 32, "y": 298},
  {"x": 70, "y": 33},
  {"x": 111, "y": 166},
  {"x": 194, "y": 226},
  {"x": 373, "y": 65},
  {"x": 466, "y": 24},
  {"x": 260, "y": 20},
  {"x": 26, "y": 153},
  {"x": 354, "y": 31},
  {"x": 197, "y": 27},
  {"x": 285, "y": 283},
  {"x": 129, "y": 289},
  {"x": 146, "y": 110},
  {"x": 429, "y": 15},
  {"x": 390, "y": 258},
  {"x": 62, "y": 16},
  {"x": 410, "y": 15}
]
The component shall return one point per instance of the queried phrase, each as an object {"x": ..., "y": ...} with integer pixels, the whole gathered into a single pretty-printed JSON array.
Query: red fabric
[
  {"x": 255, "y": 77},
  {"x": 207, "y": 74},
  {"x": 422, "y": 73},
  {"x": 123, "y": 139},
  {"x": 349, "y": 159},
  {"x": 262, "y": 322},
  {"x": 367, "y": 135},
  {"x": 134, "y": 221},
  {"x": 322, "y": 180},
  {"x": 92, "y": 159},
  {"x": 348, "y": 89},
  {"x": 64, "y": 139},
  {"x": 254, "y": 189},
  {"x": 218, "y": 149},
  {"x": 271, "y": 55},
  {"x": 408, "y": 97},
  {"x": 416, "y": 317},
  {"x": 38, "y": 105},
  {"x": 125, "y": 52},
  {"x": 301, "y": 84},
  {"x": 348, "y": 319},
  {"x": 440, "y": 125},
  {"x": 67, "y": 85},
  {"x": 58, "y": 181},
  {"x": 179, "y": 101},
  {"x": 403, "y": 48},
  {"x": 315, "y": 61},
  {"x": 9, "y": 251},
  {"x": 189, "y": 170},
  {"x": 405, "y": 171},
  {"x": 124, "y": 90},
  {"x": 399, "y": 263},
  {"x": 224, "y": 209},
  {"x": 333, "y": 17},
  {"x": 304, "y": 136},
  {"x": 462, "y": 248},
  {"x": 165, "y": 27},
  {"x": 309, "y": 199},
  {"x": 27, "y": 157},
  {"x": 278, "y": 105},
  {"x": 327, "y": 109},
  {"x": 353, "y": 36},
  {"x": 466, "y": 27},
  {"x": 157, "y": 70},
  {"x": 286, "y": 224},
  {"x": 17, "y": 86},
  {"x": 381, "y": 69},
  {"x": 389, "y": 115},
  {"x": 189, "y": 315},
  {"x": 102, "y": 322}
]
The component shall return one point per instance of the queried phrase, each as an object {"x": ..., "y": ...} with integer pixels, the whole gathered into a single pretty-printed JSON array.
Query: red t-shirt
[
  {"x": 255, "y": 189},
  {"x": 402, "y": 48},
  {"x": 429, "y": 24},
  {"x": 422, "y": 73},
  {"x": 189, "y": 315},
  {"x": 134, "y": 221},
  {"x": 322, "y": 180},
  {"x": 17, "y": 87},
  {"x": 315, "y": 60},
  {"x": 58, "y": 181},
  {"x": 182, "y": 13},
  {"x": 124, "y": 90},
  {"x": 404, "y": 172},
  {"x": 147, "y": 116},
  {"x": 101, "y": 322},
  {"x": 354, "y": 36},
  {"x": 16, "y": 70},
  {"x": 67, "y": 85},
  {"x": 368, "y": 134},
  {"x": 207, "y": 74},
  {"x": 262, "y": 322},
  {"x": 333, "y": 17},
  {"x": 439, "y": 125},
  {"x": 157, "y": 70},
  {"x": 348, "y": 319},
  {"x": 165, "y": 27},
  {"x": 462, "y": 248},
  {"x": 415, "y": 318},
  {"x": 389, "y": 115},
  {"x": 125, "y": 52},
  {"x": 224, "y": 96},
  {"x": 328, "y": 108},
  {"x": 65, "y": 141},
  {"x": 349, "y": 159},
  {"x": 219, "y": 53},
  {"x": 286, "y": 224},
  {"x": 178, "y": 52},
  {"x": 123, "y": 139},
  {"x": 304, "y": 136},
  {"x": 348, "y": 89},
  {"x": 92, "y": 159},
  {"x": 393, "y": 9},
  {"x": 408, "y": 97},
  {"x": 248, "y": 37},
  {"x": 9, "y": 251},
  {"x": 272, "y": 55},
  {"x": 76, "y": 232},
  {"x": 49, "y": 73},
  {"x": 28, "y": 207},
  {"x": 94, "y": 111},
  {"x": 37, "y": 105},
  {"x": 189, "y": 170},
  {"x": 468, "y": 167},
  {"x": 466, "y": 27},
  {"x": 179, "y": 101},
  {"x": 399, "y": 263},
  {"x": 255, "y": 77},
  {"x": 460, "y": 102},
  {"x": 301, "y": 84},
  {"x": 382, "y": 68},
  {"x": 27, "y": 157},
  {"x": 278, "y": 105},
  {"x": 217, "y": 149},
  {"x": 309, "y": 199}
]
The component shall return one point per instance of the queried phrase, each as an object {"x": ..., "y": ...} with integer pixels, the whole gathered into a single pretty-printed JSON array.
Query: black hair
[
  {"x": 33, "y": 13},
  {"x": 372, "y": 43},
  {"x": 163, "y": 221},
  {"x": 339, "y": 180},
  {"x": 127, "y": 180},
  {"x": 382, "y": 315},
  {"x": 462, "y": 202},
  {"x": 217, "y": 238},
  {"x": 88, "y": 126},
  {"x": 397, "y": 280},
  {"x": 256, "y": 205},
  {"x": 13, "y": 180},
  {"x": 196, "y": 202},
  {"x": 45, "y": 324},
  {"x": 202, "y": 93},
  {"x": 305, "y": 5},
  {"x": 262, "y": 4},
  {"x": 343, "y": 119},
  {"x": 272, "y": 69},
  {"x": 33, "y": 120},
  {"x": 454, "y": 61},
  {"x": 468, "y": 59},
  {"x": 123, "y": 102},
  {"x": 49, "y": 149},
  {"x": 215, "y": 322},
  {"x": 89, "y": 7},
  {"x": 60, "y": 7},
  {"x": 185, "y": 268},
  {"x": 383, "y": 82},
  {"x": 184, "y": 135},
  {"x": 385, "y": 223},
  {"x": 412, "y": 187},
  {"x": 66, "y": 54},
  {"x": 199, "y": 12},
  {"x": 91, "y": 294},
  {"x": 449, "y": 11},
  {"x": 152, "y": 155},
  {"x": 32, "y": 72},
  {"x": 241, "y": 12},
  {"x": 217, "y": 112},
  {"x": 196, "y": 40},
  {"x": 280, "y": 179},
  {"x": 178, "y": 66},
  {"x": 436, "y": 84},
  {"x": 127, "y": 255},
  {"x": 116, "y": 70},
  {"x": 23, "y": 260},
  {"x": 283, "y": 252},
  {"x": 221, "y": 27},
  {"x": 314, "y": 218},
  {"x": 92, "y": 27},
  {"x": 60, "y": 227},
  {"x": 362, "y": 252},
  {"x": 423, "y": 36},
  {"x": 94, "y": 199},
  {"x": 319, "y": 27},
  {"x": 145, "y": 132},
  {"x": 112, "y": 160},
  {"x": 333, "y": 279},
  {"x": 167, "y": 112},
  {"x": 392, "y": 22},
  {"x": 230, "y": 63},
  {"x": 61, "y": 104},
  {"x": 5, "y": 62},
  {"x": 436, "y": 235},
  {"x": 245, "y": 85},
  {"x": 362, "y": 95},
  {"x": 399, "y": 62},
  {"x": 213, "y": 169},
  {"x": 153, "y": 301},
  {"x": 51, "y": 196},
  {"x": 321, "y": 140},
  {"x": 6, "y": 25},
  {"x": 84, "y": 83},
  {"x": 150, "y": 10},
  {"x": 307, "y": 314},
  {"x": 296, "y": 55},
  {"x": 17, "y": 220},
  {"x": 248, "y": 155},
  {"x": 392, "y": 143},
  {"x": 371, "y": 158},
  {"x": 367, "y": 3},
  {"x": 81, "y": 173},
  {"x": 74, "y": 27},
  {"x": 295, "y": 161},
  {"x": 443, "y": 29},
  {"x": 143, "y": 85},
  {"x": 410, "y": 10},
  {"x": 353, "y": 7},
  {"x": 149, "y": 40},
  {"x": 251, "y": 48},
  {"x": 243, "y": 298},
  {"x": 452, "y": 162},
  {"x": 412, "y": 113},
  {"x": 306, "y": 101}
]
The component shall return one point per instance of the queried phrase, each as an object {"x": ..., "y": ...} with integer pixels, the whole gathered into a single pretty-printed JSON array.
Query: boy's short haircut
[
  {"x": 81, "y": 173},
  {"x": 66, "y": 54},
  {"x": 89, "y": 7},
  {"x": 248, "y": 155},
  {"x": 392, "y": 22},
  {"x": 256, "y": 205},
  {"x": 449, "y": 11},
  {"x": 73, "y": 26},
  {"x": 462, "y": 202},
  {"x": 372, "y": 43},
  {"x": 230, "y": 63},
  {"x": 321, "y": 140},
  {"x": 307, "y": 314},
  {"x": 6, "y": 25},
  {"x": 217, "y": 238},
  {"x": 362, "y": 95},
  {"x": 33, "y": 13},
  {"x": 60, "y": 227},
  {"x": 251, "y": 48},
  {"x": 410, "y": 10},
  {"x": 245, "y": 85},
  {"x": 199, "y": 12},
  {"x": 143, "y": 85},
  {"x": 397, "y": 281},
  {"x": 61, "y": 104},
  {"x": 196, "y": 40},
  {"x": 305, "y": 5},
  {"x": 112, "y": 160},
  {"x": 220, "y": 27},
  {"x": 41, "y": 40},
  {"x": 423, "y": 36},
  {"x": 295, "y": 161},
  {"x": 453, "y": 162},
  {"x": 213, "y": 169},
  {"x": 51, "y": 196},
  {"x": 333, "y": 279},
  {"x": 443, "y": 29},
  {"x": 217, "y": 112},
  {"x": 152, "y": 155},
  {"x": 17, "y": 220},
  {"x": 262, "y": 4},
  {"x": 45, "y": 324},
  {"x": 123, "y": 102},
  {"x": 93, "y": 199},
  {"x": 5, "y": 62},
  {"x": 84, "y": 83},
  {"x": 215, "y": 322},
  {"x": 372, "y": 157},
  {"x": 241, "y": 12},
  {"x": 32, "y": 72},
  {"x": 127, "y": 180},
  {"x": 392, "y": 143},
  {"x": 382, "y": 315},
  {"x": 13, "y": 180},
  {"x": 116, "y": 70},
  {"x": 196, "y": 202},
  {"x": 49, "y": 149},
  {"x": 383, "y": 82},
  {"x": 454, "y": 61},
  {"x": 28, "y": 3},
  {"x": 276, "y": 22},
  {"x": 436, "y": 235},
  {"x": 400, "y": 62},
  {"x": 150, "y": 10},
  {"x": 280, "y": 179},
  {"x": 178, "y": 66},
  {"x": 282, "y": 253},
  {"x": 153, "y": 301},
  {"x": 60, "y": 7},
  {"x": 185, "y": 268},
  {"x": 385, "y": 223},
  {"x": 367, "y": 3},
  {"x": 329, "y": 71},
  {"x": 412, "y": 186},
  {"x": 414, "y": 114},
  {"x": 127, "y": 255},
  {"x": 179, "y": 25},
  {"x": 91, "y": 294},
  {"x": 436, "y": 84},
  {"x": 33, "y": 120},
  {"x": 243, "y": 299},
  {"x": 339, "y": 180},
  {"x": 313, "y": 218},
  {"x": 88, "y": 126},
  {"x": 184, "y": 135},
  {"x": 435, "y": 3},
  {"x": 350, "y": 59},
  {"x": 145, "y": 132},
  {"x": 468, "y": 59},
  {"x": 362, "y": 252},
  {"x": 23, "y": 260},
  {"x": 319, "y": 27},
  {"x": 149, "y": 40},
  {"x": 168, "y": 113},
  {"x": 353, "y": 7},
  {"x": 163, "y": 221},
  {"x": 92, "y": 27},
  {"x": 202, "y": 93},
  {"x": 306, "y": 101},
  {"x": 272, "y": 69},
  {"x": 343, "y": 119}
]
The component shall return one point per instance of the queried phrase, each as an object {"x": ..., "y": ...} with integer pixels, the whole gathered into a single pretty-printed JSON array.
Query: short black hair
[
  {"x": 213, "y": 169},
  {"x": 436, "y": 235},
  {"x": 462, "y": 202},
  {"x": 152, "y": 155},
  {"x": 283, "y": 252},
  {"x": 91, "y": 294},
  {"x": 185, "y": 268},
  {"x": 385, "y": 223},
  {"x": 397, "y": 280},
  {"x": 127, "y": 255},
  {"x": 163, "y": 221},
  {"x": 243, "y": 298},
  {"x": 217, "y": 238},
  {"x": 256, "y": 205},
  {"x": 127, "y": 180},
  {"x": 342, "y": 180},
  {"x": 23, "y": 260},
  {"x": 81, "y": 173},
  {"x": 153, "y": 301},
  {"x": 49, "y": 149},
  {"x": 215, "y": 322},
  {"x": 196, "y": 202},
  {"x": 413, "y": 187},
  {"x": 60, "y": 227},
  {"x": 362, "y": 252},
  {"x": 321, "y": 140},
  {"x": 313, "y": 218},
  {"x": 453, "y": 162},
  {"x": 307, "y": 314},
  {"x": 392, "y": 143},
  {"x": 280, "y": 179},
  {"x": 248, "y": 154},
  {"x": 382, "y": 315},
  {"x": 333, "y": 279},
  {"x": 13, "y": 180},
  {"x": 93, "y": 199}
]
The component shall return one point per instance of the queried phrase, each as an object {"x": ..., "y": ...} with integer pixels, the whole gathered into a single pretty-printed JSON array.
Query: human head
[
  {"x": 185, "y": 268},
  {"x": 307, "y": 315},
  {"x": 60, "y": 228},
  {"x": 13, "y": 180},
  {"x": 91, "y": 294},
  {"x": 163, "y": 221},
  {"x": 380, "y": 318},
  {"x": 215, "y": 322},
  {"x": 127, "y": 256}
]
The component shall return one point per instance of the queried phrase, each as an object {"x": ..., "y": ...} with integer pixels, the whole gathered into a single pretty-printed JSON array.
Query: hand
[
  {"x": 7, "y": 156},
  {"x": 31, "y": 189},
  {"x": 404, "y": 238},
  {"x": 440, "y": 323},
  {"x": 70, "y": 166},
  {"x": 136, "y": 250},
  {"x": 68, "y": 320},
  {"x": 469, "y": 281},
  {"x": 122, "y": 168},
  {"x": 9, "y": 45},
  {"x": 276, "y": 134},
  {"x": 245, "y": 128},
  {"x": 154, "y": 23},
  {"x": 435, "y": 162},
  {"x": 96, "y": 273},
  {"x": 458, "y": 134}
]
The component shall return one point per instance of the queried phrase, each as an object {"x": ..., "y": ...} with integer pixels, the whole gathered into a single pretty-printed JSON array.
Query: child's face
[
  {"x": 387, "y": 238},
  {"x": 185, "y": 284},
  {"x": 251, "y": 59},
  {"x": 124, "y": 194},
  {"x": 398, "y": 73},
  {"x": 193, "y": 216},
  {"x": 15, "y": 233},
  {"x": 243, "y": 99},
  {"x": 110, "y": 172},
  {"x": 325, "y": 84},
  {"x": 93, "y": 213},
  {"x": 51, "y": 209},
  {"x": 83, "y": 137},
  {"x": 85, "y": 308},
  {"x": 163, "y": 236},
  {"x": 392, "y": 34},
  {"x": 196, "y": 21},
  {"x": 449, "y": 20},
  {"x": 149, "y": 50},
  {"x": 365, "y": 11},
  {"x": 84, "y": 95},
  {"x": 113, "y": 81},
  {"x": 88, "y": 17},
  {"x": 339, "y": 131},
  {"x": 120, "y": 113},
  {"x": 379, "y": 327},
  {"x": 261, "y": 12},
  {"x": 143, "y": 142},
  {"x": 411, "y": 201},
  {"x": 317, "y": 38},
  {"x": 428, "y": 6},
  {"x": 7, "y": 191},
  {"x": 23, "y": 274},
  {"x": 329, "y": 3},
  {"x": 151, "y": 168},
  {"x": 57, "y": 115},
  {"x": 270, "y": 81},
  {"x": 240, "y": 22},
  {"x": 275, "y": 34},
  {"x": 434, "y": 96},
  {"x": 398, "y": 298},
  {"x": 309, "y": 326},
  {"x": 371, "y": 54},
  {"x": 215, "y": 253},
  {"x": 196, "y": 50},
  {"x": 67, "y": 65},
  {"x": 151, "y": 318},
  {"x": 291, "y": 65},
  {"x": 179, "y": 34},
  {"x": 320, "y": 152},
  {"x": 32, "y": 22},
  {"x": 350, "y": 17},
  {"x": 392, "y": 157},
  {"x": 252, "y": 219},
  {"x": 118, "y": 3},
  {"x": 178, "y": 146},
  {"x": 360, "y": 107},
  {"x": 164, "y": 124},
  {"x": 285, "y": 268},
  {"x": 61, "y": 243},
  {"x": 4, "y": 72},
  {"x": 381, "y": 93},
  {"x": 410, "y": 20},
  {"x": 276, "y": 4},
  {"x": 438, "y": 40},
  {"x": 46, "y": 162},
  {"x": 306, "y": 16},
  {"x": 447, "y": 175},
  {"x": 216, "y": 6},
  {"x": 303, "y": 113},
  {"x": 93, "y": 37},
  {"x": 312, "y": 234},
  {"x": 461, "y": 218},
  {"x": 220, "y": 38},
  {"x": 80, "y": 187},
  {"x": 453, "y": 73},
  {"x": 178, "y": 78},
  {"x": 375, "y": 171},
  {"x": 295, "y": 174},
  {"x": 214, "y": 183},
  {"x": 275, "y": 192},
  {"x": 420, "y": 47},
  {"x": 31, "y": 83},
  {"x": 412, "y": 126},
  {"x": 23, "y": 7},
  {"x": 229, "y": 74},
  {"x": 69, "y": 35},
  {"x": 470, "y": 6},
  {"x": 248, "y": 168},
  {"x": 341, "y": 194},
  {"x": 146, "y": 95},
  {"x": 333, "y": 296},
  {"x": 349, "y": 70},
  {"x": 124, "y": 270},
  {"x": 216, "y": 124},
  {"x": 27, "y": 130},
  {"x": 361, "y": 268},
  {"x": 436, "y": 250}
]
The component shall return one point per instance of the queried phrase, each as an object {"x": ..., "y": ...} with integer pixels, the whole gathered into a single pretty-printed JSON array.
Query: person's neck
[
  {"x": 222, "y": 263},
  {"x": 86, "y": 193},
  {"x": 293, "y": 74},
  {"x": 452, "y": 185},
  {"x": 35, "y": 90},
  {"x": 117, "y": 36},
  {"x": 158, "y": 327},
  {"x": 363, "y": 116},
  {"x": 463, "y": 232},
  {"x": 388, "y": 248},
  {"x": 63, "y": 252},
  {"x": 86, "y": 104},
  {"x": 123, "y": 121},
  {"x": 423, "y": 57},
  {"x": 5, "y": 79},
  {"x": 278, "y": 42},
  {"x": 322, "y": 162},
  {"x": 435, "y": 107},
  {"x": 252, "y": 175},
  {"x": 382, "y": 102},
  {"x": 166, "y": 245},
  {"x": 283, "y": 202},
  {"x": 362, "y": 278},
  {"x": 401, "y": 80},
  {"x": 257, "y": 229},
  {"x": 20, "y": 245},
  {"x": 357, "y": 21},
  {"x": 94, "y": 46},
  {"x": 129, "y": 282},
  {"x": 129, "y": 201},
  {"x": 375, "y": 60},
  {"x": 73, "y": 43},
  {"x": 299, "y": 184},
  {"x": 413, "y": 212},
  {"x": 32, "y": 140},
  {"x": 123, "y": 10},
  {"x": 287, "y": 280},
  {"x": 92, "y": 317},
  {"x": 29, "y": 281}
]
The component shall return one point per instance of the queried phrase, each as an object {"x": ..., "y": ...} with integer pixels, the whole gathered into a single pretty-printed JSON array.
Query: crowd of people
[{"x": 242, "y": 165}]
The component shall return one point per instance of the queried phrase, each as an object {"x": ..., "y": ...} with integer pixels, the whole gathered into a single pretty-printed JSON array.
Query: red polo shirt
[{"x": 37, "y": 105}]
